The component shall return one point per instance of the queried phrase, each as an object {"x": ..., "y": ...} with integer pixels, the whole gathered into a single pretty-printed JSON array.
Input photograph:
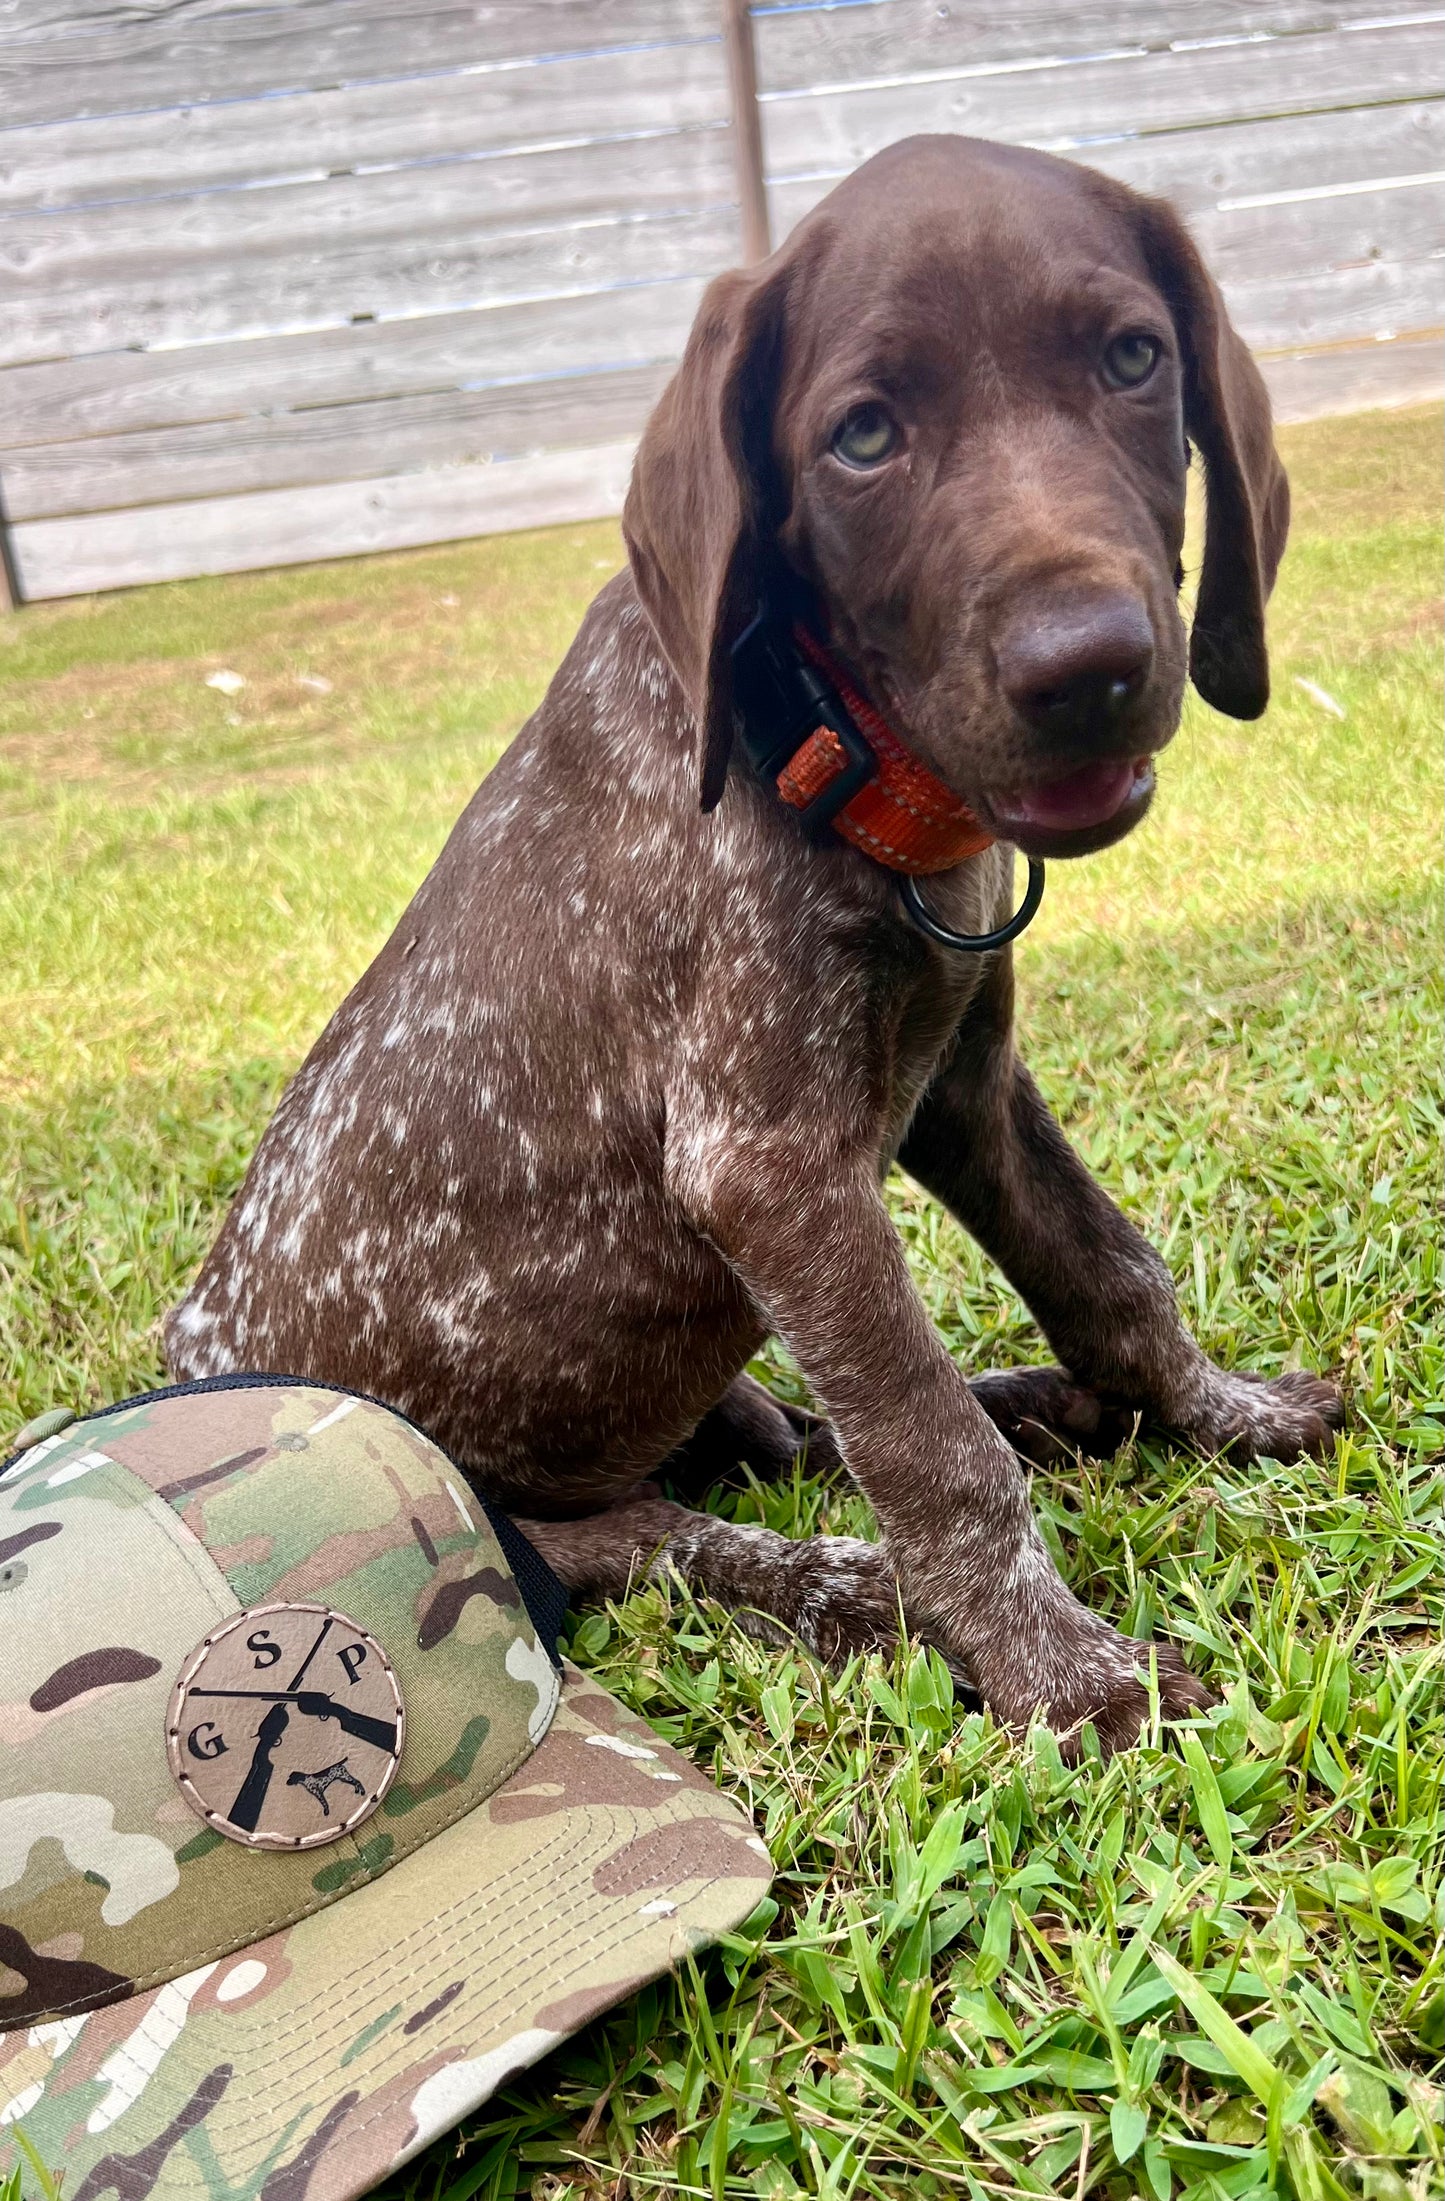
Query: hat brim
[{"x": 327, "y": 2055}]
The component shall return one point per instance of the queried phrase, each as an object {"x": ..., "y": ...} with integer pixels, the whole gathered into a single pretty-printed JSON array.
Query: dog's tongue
[{"x": 1086, "y": 797}]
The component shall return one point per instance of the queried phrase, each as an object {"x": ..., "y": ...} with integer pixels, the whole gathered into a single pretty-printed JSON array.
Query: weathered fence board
[
  {"x": 1314, "y": 237},
  {"x": 1387, "y": 299},
  {"x": 84, "y": 63},
  {"x": 331, "y": 443},
  {"x": 327, "y": 248},
  {"x": 815, "y": 43},
  {"x": 388, "y": 272},
  {"x": 1347, "y": 146},
  {"x": 405, "y": 123},
  {"x": 1347, "y": 378},
  {"x": 1196, "y": 169},
  {"x": 165, "y": 542},
  {"x": 292, "y": 280},
  {"x": 593, "y": 169},
  {"x": 829, "y": 131},
  {"x": 115, "y": 393}
]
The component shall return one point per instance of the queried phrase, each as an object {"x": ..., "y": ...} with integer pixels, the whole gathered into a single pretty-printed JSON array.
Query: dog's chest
[{"x": 926, "y": 1013}]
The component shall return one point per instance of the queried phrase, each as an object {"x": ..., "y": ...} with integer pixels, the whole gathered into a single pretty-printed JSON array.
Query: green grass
[{"x": 1213, "y": 1968}]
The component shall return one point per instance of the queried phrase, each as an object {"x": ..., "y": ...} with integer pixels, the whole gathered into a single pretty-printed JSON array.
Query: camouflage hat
[{"x": 307, "y": 1839}]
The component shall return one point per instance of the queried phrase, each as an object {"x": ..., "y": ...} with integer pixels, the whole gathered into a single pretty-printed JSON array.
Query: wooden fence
[{"x": 293, "y": 280}]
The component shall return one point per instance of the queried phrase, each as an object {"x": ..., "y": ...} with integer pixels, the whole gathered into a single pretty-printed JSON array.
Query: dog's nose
[{"x": 1076, "y": 666}]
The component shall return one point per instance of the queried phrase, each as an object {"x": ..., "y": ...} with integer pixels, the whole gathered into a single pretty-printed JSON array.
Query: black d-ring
[{"x": 974, "y": 943}]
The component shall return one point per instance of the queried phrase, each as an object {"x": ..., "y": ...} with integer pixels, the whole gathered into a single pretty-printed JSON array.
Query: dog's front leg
[
  {"x": 837, "y": 1594},
  {"x": 811, "y": 1240},
  {"x": 983, "y": 1141}
]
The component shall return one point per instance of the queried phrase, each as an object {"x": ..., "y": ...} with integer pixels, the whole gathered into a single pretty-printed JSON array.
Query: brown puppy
[{"x": 615, "y": 1101}]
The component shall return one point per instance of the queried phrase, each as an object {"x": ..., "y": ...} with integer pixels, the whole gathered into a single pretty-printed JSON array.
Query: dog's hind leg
[
  {"x": 1043, "y": 1412},
  {"x": 837, "y": 1594},
  {"x": 983, "y": 1142},
  {"x": 1048, "y": 1417},
  {"x": 748, "y": 1427}
]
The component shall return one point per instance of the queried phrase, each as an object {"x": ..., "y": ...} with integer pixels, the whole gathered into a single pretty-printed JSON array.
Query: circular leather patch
[{"x": 285, "y": 1727}]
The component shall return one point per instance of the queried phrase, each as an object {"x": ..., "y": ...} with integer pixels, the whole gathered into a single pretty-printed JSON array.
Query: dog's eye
[
  {"x": 1131, "y": 359},
  {"x": 867, "y": 436}
]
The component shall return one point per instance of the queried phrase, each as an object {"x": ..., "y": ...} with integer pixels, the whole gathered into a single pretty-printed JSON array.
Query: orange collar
[{"x": 904, "y": 817}]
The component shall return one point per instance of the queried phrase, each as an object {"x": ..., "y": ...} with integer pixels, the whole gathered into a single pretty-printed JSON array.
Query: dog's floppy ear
[
  {"x": 1226, "y": 412},
  {"x": 703, "y": 501}
]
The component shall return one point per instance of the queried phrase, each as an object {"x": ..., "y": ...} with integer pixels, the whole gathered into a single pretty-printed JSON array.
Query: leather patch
[{"x": 285, "y": 1727}]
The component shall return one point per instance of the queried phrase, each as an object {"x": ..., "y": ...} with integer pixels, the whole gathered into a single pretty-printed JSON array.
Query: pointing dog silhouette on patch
[{"x": 318, "y": 1784}]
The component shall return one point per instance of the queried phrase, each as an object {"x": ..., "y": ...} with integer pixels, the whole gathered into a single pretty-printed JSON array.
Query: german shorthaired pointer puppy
[{"x": 615, "y": 1101}]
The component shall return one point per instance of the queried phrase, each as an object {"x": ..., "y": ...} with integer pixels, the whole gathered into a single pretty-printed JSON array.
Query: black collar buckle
[{"x": 779, "y": 700}]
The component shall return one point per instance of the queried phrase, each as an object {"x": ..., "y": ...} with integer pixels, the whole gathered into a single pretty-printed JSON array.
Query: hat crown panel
[{"x": 206, "y": 1504}]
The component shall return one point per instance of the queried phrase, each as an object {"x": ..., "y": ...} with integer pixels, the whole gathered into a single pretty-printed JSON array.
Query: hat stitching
[
  {"x": 196, "y": 1555},
  {"x": 344, "y": 2012},
  {"x": 160, "y": 1976},
  {"x": 355, "y": 2129},
  {"x": 248, "y": 2122},
  {"x": 353, "y": 1998},
  {"x": 383, "y": 2109},
  {"x": 537, "y": 1867},
  {"x": 125, "y": 1482}
]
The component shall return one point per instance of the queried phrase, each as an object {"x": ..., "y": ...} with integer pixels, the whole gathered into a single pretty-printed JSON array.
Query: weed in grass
[{"x": 1212, "y": 1970}]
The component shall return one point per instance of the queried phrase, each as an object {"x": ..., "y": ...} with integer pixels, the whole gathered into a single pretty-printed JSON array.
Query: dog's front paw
[
  {"x": 1249, "y": 1417},
  {"x": 843, "y": 1595},
  {"x": 1091, "y": 1673},
  {"x": 842, "y": 1599}
]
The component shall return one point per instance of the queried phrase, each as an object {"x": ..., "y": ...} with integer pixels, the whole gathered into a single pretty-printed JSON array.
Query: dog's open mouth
[{"x": 1095, "y": 800}]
